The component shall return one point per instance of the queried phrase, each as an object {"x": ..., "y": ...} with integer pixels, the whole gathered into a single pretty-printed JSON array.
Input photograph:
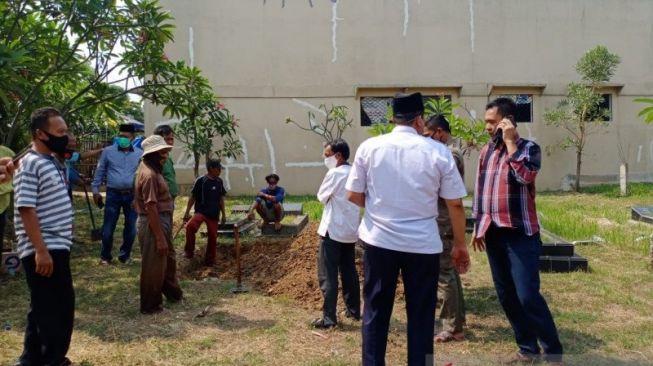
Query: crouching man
[{"x": 153, "y": 204}]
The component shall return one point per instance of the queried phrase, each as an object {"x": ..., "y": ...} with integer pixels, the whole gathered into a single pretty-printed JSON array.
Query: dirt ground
[{"x": 278, "y": 267}]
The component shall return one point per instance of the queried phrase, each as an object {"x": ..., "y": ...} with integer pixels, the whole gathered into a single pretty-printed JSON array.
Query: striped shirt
[
  {"x": 40, "y": 183},
  {"x": 505, "y": 187}
]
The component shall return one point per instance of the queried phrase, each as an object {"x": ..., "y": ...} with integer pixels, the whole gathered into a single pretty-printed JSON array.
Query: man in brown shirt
[
  {"x": 154, "y": 206},
  {"x": 452, "y": 310}
]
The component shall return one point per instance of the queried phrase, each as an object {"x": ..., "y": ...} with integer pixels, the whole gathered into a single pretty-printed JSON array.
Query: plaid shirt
[{"x": 505, "y": 187}]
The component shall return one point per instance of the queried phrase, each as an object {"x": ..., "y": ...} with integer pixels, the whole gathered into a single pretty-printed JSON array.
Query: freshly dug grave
[{"x": 278, "y": 267}]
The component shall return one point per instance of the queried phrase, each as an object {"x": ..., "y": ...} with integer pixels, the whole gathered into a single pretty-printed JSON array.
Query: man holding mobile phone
[{"x": 506, "y": 226}]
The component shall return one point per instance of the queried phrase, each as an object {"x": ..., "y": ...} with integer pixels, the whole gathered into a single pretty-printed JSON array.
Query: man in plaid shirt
[{"x": 506, "y": 225}]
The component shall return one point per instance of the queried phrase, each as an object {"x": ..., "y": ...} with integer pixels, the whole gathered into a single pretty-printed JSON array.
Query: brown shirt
[
  {"x": 444, "y": 221},
  {"x": 151, "y": 187}
]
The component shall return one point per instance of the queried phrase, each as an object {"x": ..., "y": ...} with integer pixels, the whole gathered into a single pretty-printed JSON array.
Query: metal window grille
[
  {"x": 524, "y": 102},
  {"x": 374, "y": 109}
]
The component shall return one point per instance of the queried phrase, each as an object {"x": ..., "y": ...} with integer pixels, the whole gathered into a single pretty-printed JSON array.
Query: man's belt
[{"x": 446, "y": 236}]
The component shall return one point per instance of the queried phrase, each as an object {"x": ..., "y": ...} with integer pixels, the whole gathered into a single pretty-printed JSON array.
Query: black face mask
[{"x": 57, "y": 144}]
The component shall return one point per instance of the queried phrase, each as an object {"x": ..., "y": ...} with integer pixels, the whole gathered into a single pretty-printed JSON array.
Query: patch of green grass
[
  {"x": 598, "y": 211},
  {"x": 603, "y": 315}
]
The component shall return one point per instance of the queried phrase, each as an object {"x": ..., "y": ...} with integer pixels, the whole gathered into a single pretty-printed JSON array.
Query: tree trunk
[
  {"x": 196, "y": 168},
  {"x": 579, "y": 154}
]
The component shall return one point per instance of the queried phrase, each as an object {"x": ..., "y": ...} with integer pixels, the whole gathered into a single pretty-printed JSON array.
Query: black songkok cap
[
  {"x": 127, "y": 127},
  {"x": 408, "y": 105}
]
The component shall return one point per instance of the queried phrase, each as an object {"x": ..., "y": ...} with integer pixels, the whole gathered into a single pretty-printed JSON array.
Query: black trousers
[
  {"x": 51, "y": 312},
  {"x": 420, "y": 276},
  {"x": 3, "y": 223},
  {"x": 335, "y": 257}
]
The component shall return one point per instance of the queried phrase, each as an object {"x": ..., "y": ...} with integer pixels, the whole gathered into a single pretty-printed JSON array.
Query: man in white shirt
[
  {"x": 398, "y": 178},
  {"x": 338, "y": 232}
]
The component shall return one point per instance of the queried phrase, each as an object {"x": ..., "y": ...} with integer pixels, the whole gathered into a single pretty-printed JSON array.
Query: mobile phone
[{"x": 498, "y": 136}]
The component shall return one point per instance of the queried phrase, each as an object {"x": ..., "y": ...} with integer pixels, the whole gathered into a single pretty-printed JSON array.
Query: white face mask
[{"x": 331, "y": 162}]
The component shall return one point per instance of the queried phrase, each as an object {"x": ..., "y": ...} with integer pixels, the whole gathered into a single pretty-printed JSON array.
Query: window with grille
[
  {"x": 524, "y": 103},
  {"x": 375, "y": 109}
]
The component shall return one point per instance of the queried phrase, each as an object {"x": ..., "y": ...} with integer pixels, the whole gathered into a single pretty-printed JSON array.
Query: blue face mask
[{"x": 123, "y": 142}]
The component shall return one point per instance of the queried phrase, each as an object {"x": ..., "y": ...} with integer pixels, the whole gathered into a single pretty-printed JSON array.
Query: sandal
[
  {"x": 446, "y": 336},
  {"x": 277, "y": 226}
]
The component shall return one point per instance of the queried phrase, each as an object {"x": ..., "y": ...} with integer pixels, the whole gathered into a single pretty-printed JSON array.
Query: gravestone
[
  {"x": 642, "y": 213},
  {"x": 294, "y": 209},
  {"x": 558, "y": 255},
  {"x": 292, "y": 229}
]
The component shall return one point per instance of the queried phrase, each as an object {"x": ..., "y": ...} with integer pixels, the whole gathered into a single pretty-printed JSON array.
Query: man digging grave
[{"x": 208, "y": 198}]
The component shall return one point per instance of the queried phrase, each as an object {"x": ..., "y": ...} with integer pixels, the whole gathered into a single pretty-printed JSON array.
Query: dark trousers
[
  {"x": 158, "y": 273},
  {"x": 51, "y": 313},
  {"x": 420, "y": 276},
  {"x": 117, "y": 200},
  {"x": 514, "y": 262},
  {"x": 3, "y": 223},
  {"x": 334, "y": 257}
]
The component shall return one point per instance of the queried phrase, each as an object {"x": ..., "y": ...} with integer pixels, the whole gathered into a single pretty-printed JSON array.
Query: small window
[
  {"x": 605, "y": 107},
  {"x": 524, "y": 102},
  {"x": 374, "y": 110}
]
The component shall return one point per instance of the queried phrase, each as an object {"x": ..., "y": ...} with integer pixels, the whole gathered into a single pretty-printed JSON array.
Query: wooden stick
[{"x": 238, "y": 268}]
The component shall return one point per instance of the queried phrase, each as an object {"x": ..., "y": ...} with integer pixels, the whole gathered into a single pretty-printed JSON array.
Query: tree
[
  {"x": 202, "y": 116},
  {"x": 580, "y": 113},
  {"x": 334, "y": 125},
  {"x": 468, "y": 130},
  {"x": 647, "y": 112}
]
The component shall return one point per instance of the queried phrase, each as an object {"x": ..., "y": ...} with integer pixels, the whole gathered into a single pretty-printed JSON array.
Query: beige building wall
[{"x": 271, "y": 59}]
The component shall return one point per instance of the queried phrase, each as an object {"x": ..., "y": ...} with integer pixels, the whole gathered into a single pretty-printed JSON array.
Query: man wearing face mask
[
  {"x": 338, "y": 232},
  {"x": 450, "y": 290},
  {"x": 44, "y": 220},
  {"x": 117, "y": 164},
  {"x": 154, "y": 205},
  {"x": 269, "y": 202},
  {"x": 70, "y": 157},
  {"x": 397, "y": 178},
  {"x": 506, "y": 225}
]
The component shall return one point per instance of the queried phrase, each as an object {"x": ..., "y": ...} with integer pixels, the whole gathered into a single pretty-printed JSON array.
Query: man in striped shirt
[
  {"x": 506, "y": 225},
  {"x": 44, "y": 221}
]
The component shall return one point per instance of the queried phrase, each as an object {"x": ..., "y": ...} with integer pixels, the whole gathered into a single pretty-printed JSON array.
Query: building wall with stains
[{"x": 269, "y": 59}]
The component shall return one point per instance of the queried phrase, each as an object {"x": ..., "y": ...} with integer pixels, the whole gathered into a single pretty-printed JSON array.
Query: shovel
[{"x": 96, "y": 234}]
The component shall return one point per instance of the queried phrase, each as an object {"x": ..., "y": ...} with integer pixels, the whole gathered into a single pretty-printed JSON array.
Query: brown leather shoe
[{"x": 519, "y": 358}]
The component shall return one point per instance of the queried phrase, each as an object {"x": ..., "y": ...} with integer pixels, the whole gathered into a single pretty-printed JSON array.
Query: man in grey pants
[{"x": 450, "y": 290}]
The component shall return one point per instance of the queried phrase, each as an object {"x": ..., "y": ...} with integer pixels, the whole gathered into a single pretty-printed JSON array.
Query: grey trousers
[{"x": 450, "y": 290}]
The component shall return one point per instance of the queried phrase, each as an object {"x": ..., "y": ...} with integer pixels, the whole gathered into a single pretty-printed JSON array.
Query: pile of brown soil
[{"x": 285, "y": 267}]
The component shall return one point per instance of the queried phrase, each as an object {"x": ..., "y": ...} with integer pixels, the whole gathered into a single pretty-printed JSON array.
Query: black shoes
[
  {"x": 322, "y": 324},
  {"x": 352, "y": 316}
]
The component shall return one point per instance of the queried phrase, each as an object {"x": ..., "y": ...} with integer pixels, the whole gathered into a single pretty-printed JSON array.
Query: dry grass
[{"x": 604, "y": 316}]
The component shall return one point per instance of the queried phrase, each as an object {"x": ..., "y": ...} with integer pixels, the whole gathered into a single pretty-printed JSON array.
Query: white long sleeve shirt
[{"x": 340, "y": 217}]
